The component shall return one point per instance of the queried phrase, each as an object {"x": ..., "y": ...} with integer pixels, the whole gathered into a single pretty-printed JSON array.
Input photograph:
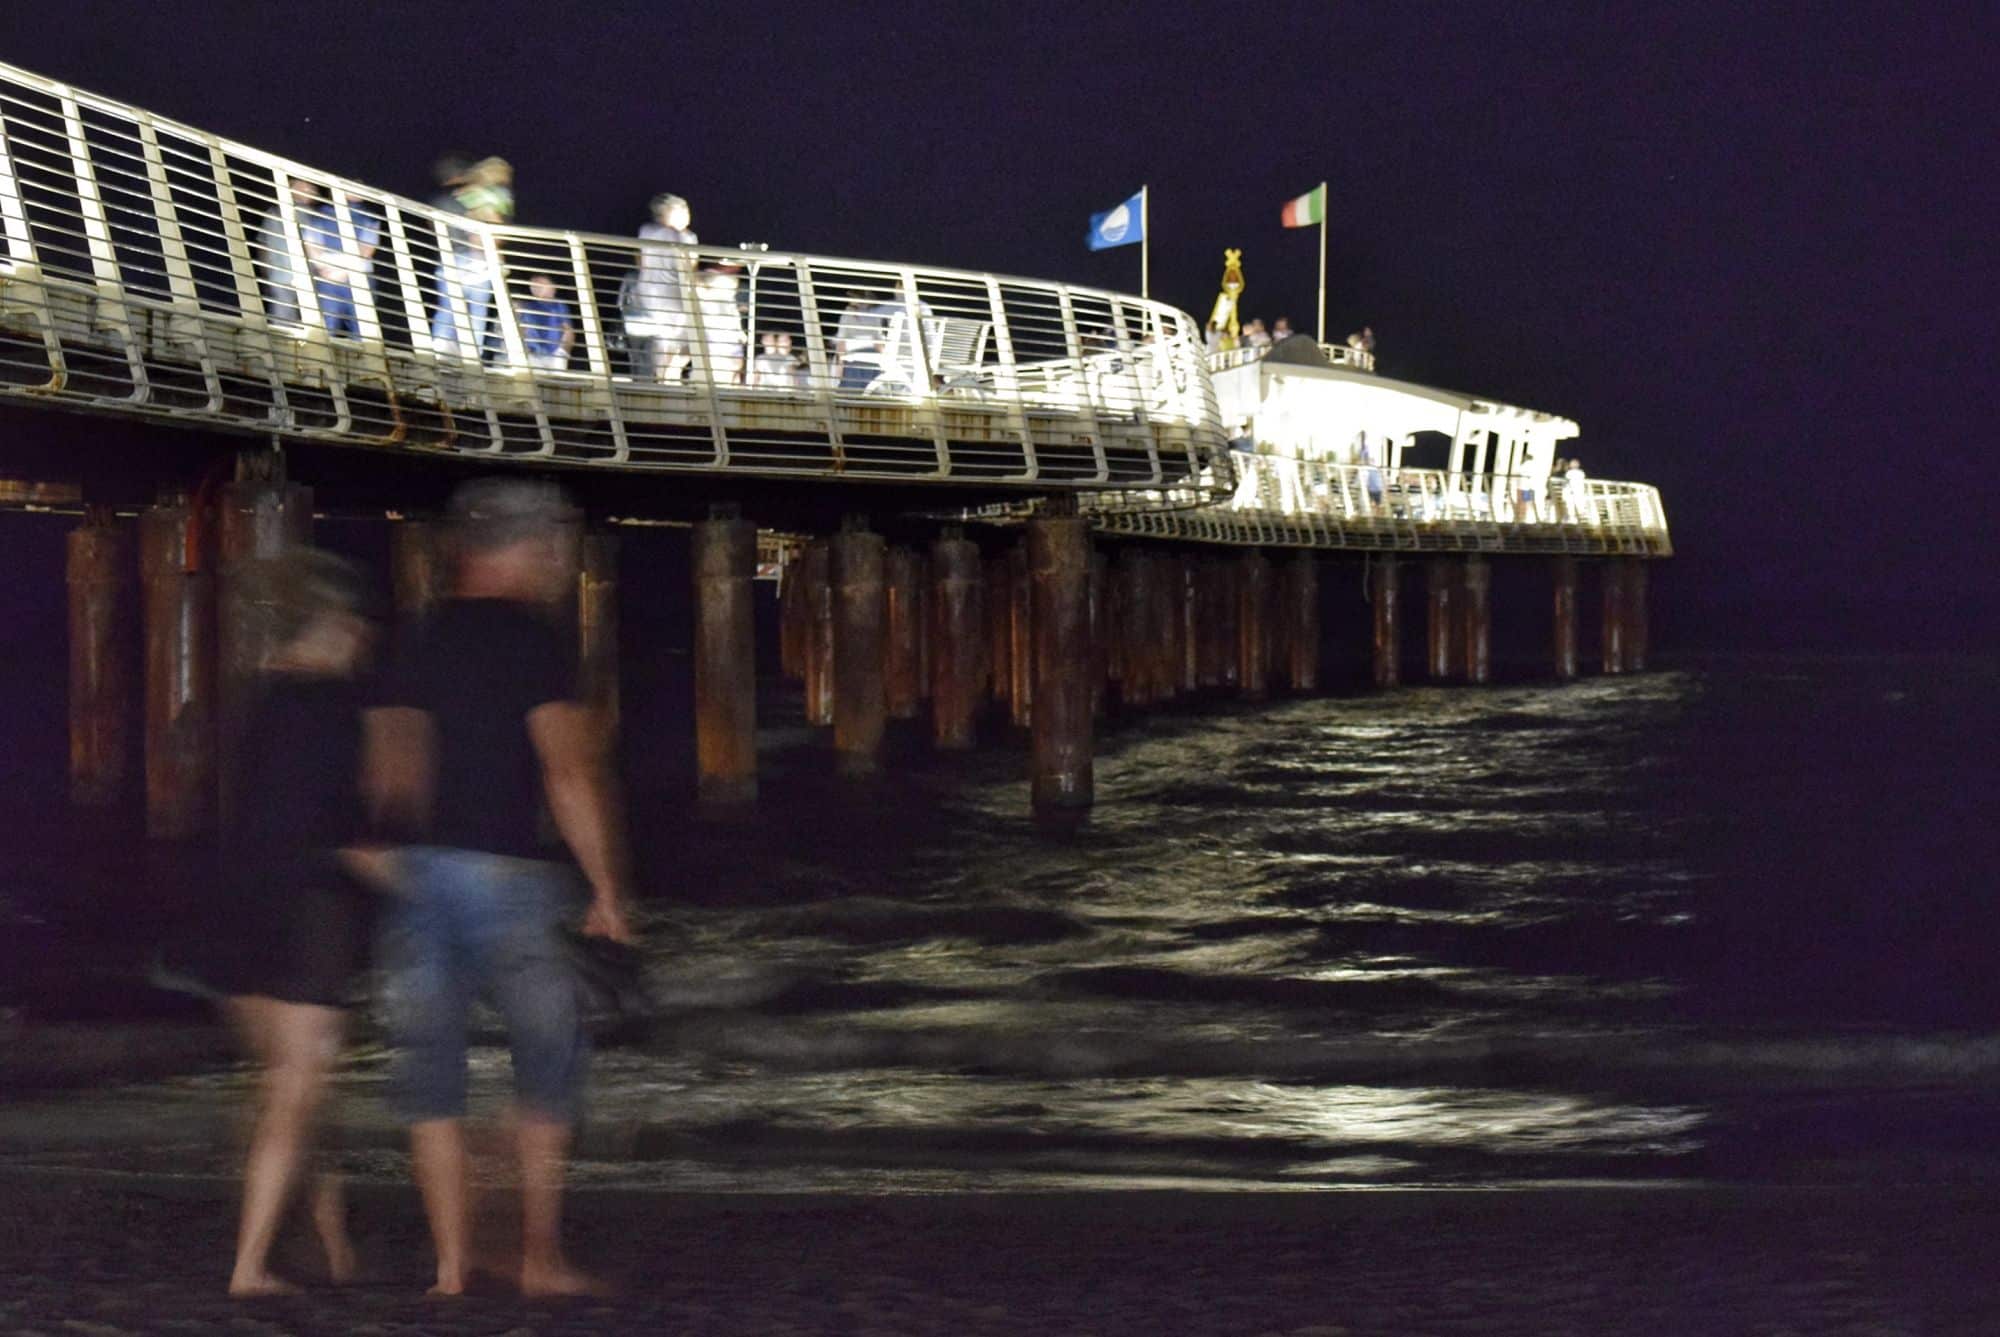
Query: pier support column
[
  {"x": 597, "y": 628},
  {"x": 793, "y": 618},
  {"x": 1059, "y": 573},
  {"x": 725, "y": 660},
  {"x": 1302, "y": 623},
  {"x": 1253, "y": 591},
  {"x": 860, "y": 614},
  {"x": 1611, "y": 582},
  {"x": 956, "y": 660},
  {"x": 1020, "y": 638},
  {"x": 901, "y": 646},
  {"x": 1135, "y": 679},
  {"x": 1476, "y": 631},
  {"x": 98, "y": 603},
  {"x": 1638, "y": 629},
  {"x": 1441, "y": 590},
  {"x": 417, "y": 571},
  {"x": 1173, "y": 617},
  {"x": 259, "y": 519},
  {"x": 1385, "y": 597},
  {"x": 1185, "y": 609},
  {"x": 1564, "y": 570},
  {"x": 1153, "y": 633},
  {"x": 1158, "y": 630},
  {"x": 1100, "y": 632},
  {"x": 1229, "y": 622},
  {"x": 920, "y": 612},
  {"x": 178, "y": 591},
  {"x": 999, "y": 602},
  {"x": 816, "y": 592},
  {"x": 1210, "y": 644}
]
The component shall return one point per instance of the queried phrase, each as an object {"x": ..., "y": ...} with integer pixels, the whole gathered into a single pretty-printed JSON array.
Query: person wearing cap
[{"x": 476, "y": 726}]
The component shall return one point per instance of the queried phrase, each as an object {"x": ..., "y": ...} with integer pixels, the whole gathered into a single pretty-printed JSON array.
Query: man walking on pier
[{"x": 478, "y": 724}]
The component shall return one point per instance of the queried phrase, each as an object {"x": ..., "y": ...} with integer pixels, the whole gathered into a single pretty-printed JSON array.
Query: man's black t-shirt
[{"x": 478, "y": 666}]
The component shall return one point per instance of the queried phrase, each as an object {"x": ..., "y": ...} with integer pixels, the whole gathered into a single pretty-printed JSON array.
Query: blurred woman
[{"x": 288, "y": 951}]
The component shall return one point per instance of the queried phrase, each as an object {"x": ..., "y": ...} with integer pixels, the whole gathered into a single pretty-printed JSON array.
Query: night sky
[{"x": 1747, "y": 247}]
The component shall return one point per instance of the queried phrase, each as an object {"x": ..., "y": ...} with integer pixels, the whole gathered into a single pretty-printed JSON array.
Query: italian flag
[{"x": 1307, "y": 209}]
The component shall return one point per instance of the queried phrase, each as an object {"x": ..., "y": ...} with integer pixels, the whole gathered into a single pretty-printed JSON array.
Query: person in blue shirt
[
  {"x": 547, "y": 331},
  {"x": 336, "y": 269}
]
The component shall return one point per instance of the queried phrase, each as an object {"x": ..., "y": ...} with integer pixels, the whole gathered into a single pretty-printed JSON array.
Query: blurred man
[{"x": 477, "y": 725}]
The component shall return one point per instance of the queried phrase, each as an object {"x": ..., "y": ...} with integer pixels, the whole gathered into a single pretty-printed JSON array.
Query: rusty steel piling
[
  {"x": 1385, "y": 599},
  {"x": 725, "y": 658},
  {"x": 902, "y": 651},
  {"x": 1476, "y": 619},
  {"x": 1058, "y": 558},
  {"x": 98, "y": 584},
  {"x": 1441, "y": 592},
  {"x": 1253, "y": 602},
  {"x": 957, "y": 660},
  {"x": 816, "y": 595},
  {"x": 1563, "y": 570},
  {"x": 860, "y": 609},
  {"x": 178, "y": 591}
]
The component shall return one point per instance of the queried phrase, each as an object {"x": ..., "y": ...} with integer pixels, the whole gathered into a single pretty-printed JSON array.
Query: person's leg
[
  {"x": 542, "y": 1143},
  {"x": 528, "y": 974},
  {"x": 329, "y": 1218},
  {"x": 428, "y": 995},
  {"x": 296, "y": 1043},
  {"x": 478, "y": 302},
  {"x": 443, "y": 1173},
  {"x": 444, "y": 331}
]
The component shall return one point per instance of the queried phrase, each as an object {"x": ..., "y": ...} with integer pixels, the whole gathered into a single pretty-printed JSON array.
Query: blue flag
[{"x": 1118, "y": 227}]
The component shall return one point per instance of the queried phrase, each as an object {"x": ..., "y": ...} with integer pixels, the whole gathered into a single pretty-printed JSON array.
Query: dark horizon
[{"x": 1738, "y": 249}]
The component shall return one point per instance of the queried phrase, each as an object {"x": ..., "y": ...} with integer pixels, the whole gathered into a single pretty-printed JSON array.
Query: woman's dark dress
[{"x": 295, "y": 926}]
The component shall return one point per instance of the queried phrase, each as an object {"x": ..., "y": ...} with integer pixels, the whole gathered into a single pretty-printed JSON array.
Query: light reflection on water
[{"x": 1514, "y": 935}]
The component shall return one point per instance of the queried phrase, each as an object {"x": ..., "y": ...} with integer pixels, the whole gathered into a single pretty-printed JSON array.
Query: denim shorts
[{"x": 473, "y": 925}]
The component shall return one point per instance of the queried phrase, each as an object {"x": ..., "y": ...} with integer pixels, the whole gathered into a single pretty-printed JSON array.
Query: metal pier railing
[
  {"x": 154, "y": 269},
  {"x": 1294, "y": 503},
  {"x": 151, "y": 268}
]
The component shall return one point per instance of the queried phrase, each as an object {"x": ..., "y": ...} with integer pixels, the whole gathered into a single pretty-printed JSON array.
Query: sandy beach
[{"x": 106, "y": 1256}]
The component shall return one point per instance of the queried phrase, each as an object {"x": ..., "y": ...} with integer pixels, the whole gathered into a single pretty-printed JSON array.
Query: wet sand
[{"x": 105, "y": 1256}]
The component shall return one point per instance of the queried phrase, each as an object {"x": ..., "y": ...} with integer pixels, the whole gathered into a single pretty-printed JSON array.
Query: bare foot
[
  {"x": 340, "y": 1265},
  {"x": 447, "y": 1290},
  {"x": 559, "y": 1279},
  {"x": 259, "y": 1285}
]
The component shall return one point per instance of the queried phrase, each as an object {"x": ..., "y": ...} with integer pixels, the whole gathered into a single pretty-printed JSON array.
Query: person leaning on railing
[
  {"x": 272, "y": 250},
  {"x": 547, "y": 330}
]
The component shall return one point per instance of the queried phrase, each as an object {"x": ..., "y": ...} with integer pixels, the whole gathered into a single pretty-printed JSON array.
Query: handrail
[
  {"x": 1337, "y": 355},
  {"x": 150, "y": 267},
  {"x": 1294, "y": 502}
]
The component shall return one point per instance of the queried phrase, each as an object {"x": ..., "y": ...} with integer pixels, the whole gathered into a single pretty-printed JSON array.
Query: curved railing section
[
  {"x": 1336, "y": 355},
  {"x": 151, "y": 268},
  {"x": 1299, "y": 503}
]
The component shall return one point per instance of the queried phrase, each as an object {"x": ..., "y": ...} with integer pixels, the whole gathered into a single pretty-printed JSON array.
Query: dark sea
[{"x": 1730, "y": 921}]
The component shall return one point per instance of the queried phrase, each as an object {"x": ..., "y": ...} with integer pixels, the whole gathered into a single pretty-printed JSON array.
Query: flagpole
[
  {"x": 1145, "y": 244},
  {"x": 1322, "y": 262}
]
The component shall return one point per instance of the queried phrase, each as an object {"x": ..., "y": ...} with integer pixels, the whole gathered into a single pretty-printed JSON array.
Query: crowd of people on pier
[
  {"x": 402, "y": 808},
  {"x": 674, "y": 312},
  {"x": 1256, "y": 336}
]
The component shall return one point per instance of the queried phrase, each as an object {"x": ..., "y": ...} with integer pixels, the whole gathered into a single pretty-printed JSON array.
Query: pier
[{"x": 1005, "y": 505}]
